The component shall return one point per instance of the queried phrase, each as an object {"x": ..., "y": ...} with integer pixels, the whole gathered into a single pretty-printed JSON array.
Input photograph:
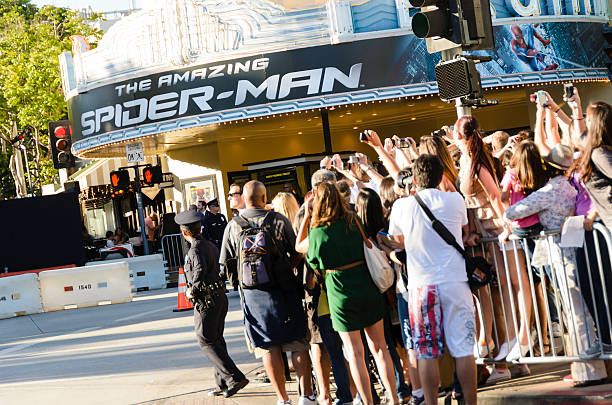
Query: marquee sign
[{"x": 321, "y": 71}]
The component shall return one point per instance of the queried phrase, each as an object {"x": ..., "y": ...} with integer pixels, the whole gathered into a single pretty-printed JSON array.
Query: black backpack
[{"x": 257, "y": 254}]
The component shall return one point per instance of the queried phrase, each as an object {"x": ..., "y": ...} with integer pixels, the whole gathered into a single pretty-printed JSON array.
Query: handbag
[
  {"x": 380, "y": 270},
  {"x": 478, "y": 270}
]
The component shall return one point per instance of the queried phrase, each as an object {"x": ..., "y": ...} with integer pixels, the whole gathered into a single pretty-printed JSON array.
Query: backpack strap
[{"x": 242, "y": 222}]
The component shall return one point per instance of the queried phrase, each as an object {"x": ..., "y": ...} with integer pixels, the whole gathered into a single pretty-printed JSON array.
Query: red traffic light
[
  {"x": 120, "y": 179},
  {"x": 60, "y": 132},
  {"x": 16, "y": 139},
  {"x": 152, "y": 175}
]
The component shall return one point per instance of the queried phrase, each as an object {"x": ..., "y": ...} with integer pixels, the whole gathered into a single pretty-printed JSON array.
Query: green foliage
[{"x": 31, "y": 95}]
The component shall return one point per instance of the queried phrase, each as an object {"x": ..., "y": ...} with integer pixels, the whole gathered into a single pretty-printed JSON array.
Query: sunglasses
[{"x": 230, "y": 195}]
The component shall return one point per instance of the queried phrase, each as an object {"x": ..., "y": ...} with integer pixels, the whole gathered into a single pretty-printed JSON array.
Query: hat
[
  {"x": 187, "y": 217},
  {"x": 214, "y": 201},
  {"x": 560, "y": 156}
]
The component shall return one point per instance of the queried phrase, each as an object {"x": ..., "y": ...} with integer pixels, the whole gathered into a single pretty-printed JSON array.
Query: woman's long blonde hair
[{"x": 286, "y": 204}]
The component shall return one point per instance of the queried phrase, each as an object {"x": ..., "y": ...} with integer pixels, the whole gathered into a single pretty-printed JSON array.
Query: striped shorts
[{"x": 442, "y": 313}]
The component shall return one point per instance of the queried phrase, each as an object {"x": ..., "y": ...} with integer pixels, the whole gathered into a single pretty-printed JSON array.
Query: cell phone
[
  {"x": 363, "y": 137},
  {"x": 386, "y": 236},
  {"x": 354, "y": 159},
  {"x": 568, "y": 91}
]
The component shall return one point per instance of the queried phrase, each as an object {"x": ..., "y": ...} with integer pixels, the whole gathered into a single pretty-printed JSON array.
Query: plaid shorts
[{"x": 440, "y": 313}]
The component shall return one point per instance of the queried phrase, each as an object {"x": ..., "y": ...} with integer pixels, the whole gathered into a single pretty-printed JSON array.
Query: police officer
[
  {"x": 208, "y": 292},
  {"x": 214, "y": 223}
]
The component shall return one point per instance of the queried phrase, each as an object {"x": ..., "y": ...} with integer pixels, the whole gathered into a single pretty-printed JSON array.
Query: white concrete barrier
[
  {"x": 19, "y": 295},
  {"x": 85, "y": 286},
  {"x": 146, "y": 272}
]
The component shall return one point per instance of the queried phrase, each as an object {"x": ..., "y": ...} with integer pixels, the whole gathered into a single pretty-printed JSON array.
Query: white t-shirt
[
  {"x": 430, "y": 260},
  {"x": 370, "y": 184}
]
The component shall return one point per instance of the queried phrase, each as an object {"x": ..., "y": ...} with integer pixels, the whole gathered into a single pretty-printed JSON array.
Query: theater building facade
[{"x": 256, "y": 89}]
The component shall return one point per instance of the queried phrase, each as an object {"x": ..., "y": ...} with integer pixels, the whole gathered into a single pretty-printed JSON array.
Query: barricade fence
[
  {"x": 555, "y": 301},
  {"x": 173, "y": 252}
]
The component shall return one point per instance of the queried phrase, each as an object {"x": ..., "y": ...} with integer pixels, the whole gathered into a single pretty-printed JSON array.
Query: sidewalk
[{"x": 544, "y": 387}]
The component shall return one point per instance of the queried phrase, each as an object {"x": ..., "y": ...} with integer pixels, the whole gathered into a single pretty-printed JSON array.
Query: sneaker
[
  {"x": 481, "y": 350},
  {"x": 312, "y": 400},
  {"x": 498, "y": 374},
  {"x": 414, "y": 400},
  {"x": 287, "y": 402},
  {"x": 504, "y": 349},
  {"x": 216, "y": 392},
  {"x": 235, "y": 388},
  {"x": 517, "y": 351},
  {"x": 593, "y": 351},
  {"x": 556, "y": 329},
  {"x": 519, "y": 370}
]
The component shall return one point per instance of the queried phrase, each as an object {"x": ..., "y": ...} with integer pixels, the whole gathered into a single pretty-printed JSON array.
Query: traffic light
[
  {"x": 152, "y": 175},
  {"x": 60, "y": 136},
  {"x": 458, "y": 78},
  {"x": 447, "y": 24},
  {"x": 16, "y": 139},
  {"x": 120, "y": 179}
]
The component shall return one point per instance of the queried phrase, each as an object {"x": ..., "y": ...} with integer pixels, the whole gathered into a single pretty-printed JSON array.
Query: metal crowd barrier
[
  {"x": 173, "y": 251},
  {"x": 583, "y": 319}
]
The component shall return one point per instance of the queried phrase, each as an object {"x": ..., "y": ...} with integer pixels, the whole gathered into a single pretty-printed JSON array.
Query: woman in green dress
[{"x": 334, "y": 248}]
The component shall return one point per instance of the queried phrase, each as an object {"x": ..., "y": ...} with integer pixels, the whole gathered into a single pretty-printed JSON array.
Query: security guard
[
  {"x": 207, "y": 291},
  {"x": 214, "y": 223}
]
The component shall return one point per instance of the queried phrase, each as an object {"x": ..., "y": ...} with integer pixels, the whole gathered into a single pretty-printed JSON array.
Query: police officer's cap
[
  {"x": 187, "y": 217},
  {"x": 214, "y": 201}
]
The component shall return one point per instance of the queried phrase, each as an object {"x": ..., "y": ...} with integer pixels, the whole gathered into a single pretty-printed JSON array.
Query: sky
[{"x": 96, "y": 5}]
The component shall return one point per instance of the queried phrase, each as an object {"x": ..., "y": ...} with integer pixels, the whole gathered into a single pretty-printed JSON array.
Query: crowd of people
[{"x": 308, "y": 286}]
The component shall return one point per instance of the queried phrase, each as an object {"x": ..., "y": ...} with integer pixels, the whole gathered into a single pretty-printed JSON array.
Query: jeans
[
  {"x": 333, "y": 346},
  {"x": 595, "y": 298},
  {"x": 400, "y": 382},
  {"x": 528, "y": 244}
]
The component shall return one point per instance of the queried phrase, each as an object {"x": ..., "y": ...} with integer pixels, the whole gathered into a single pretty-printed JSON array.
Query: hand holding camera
[{"x": 371, "y": 138}]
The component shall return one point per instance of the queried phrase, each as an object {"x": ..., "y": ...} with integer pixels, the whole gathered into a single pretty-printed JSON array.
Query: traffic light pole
[
  {"x": 143, "y": 230},
  {"x": 141, "y": 219},
  {"x": 447, "y": 55}
]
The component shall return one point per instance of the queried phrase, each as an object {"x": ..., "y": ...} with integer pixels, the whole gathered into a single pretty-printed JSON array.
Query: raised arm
[{"x": 387, "y": 160}]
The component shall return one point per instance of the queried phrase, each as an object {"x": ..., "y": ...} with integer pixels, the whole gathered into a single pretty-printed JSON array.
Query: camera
[
  {"x": 438, "y": 133},
  {"x": 539, "y": 97},
  {"x": 354, "y": 159},
  {"x": 404, "y": 178},
  {"x": 568, "y": 91},
  {"x": 403, "y": 143},
  {"x": 363, "y": 137}
]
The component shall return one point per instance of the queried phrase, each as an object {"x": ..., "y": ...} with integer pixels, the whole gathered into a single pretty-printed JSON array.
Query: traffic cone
[{"x": 182, "y": 303}]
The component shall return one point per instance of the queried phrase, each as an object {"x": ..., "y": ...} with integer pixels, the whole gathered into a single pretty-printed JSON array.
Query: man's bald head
[{"x": 254, "y": 193}]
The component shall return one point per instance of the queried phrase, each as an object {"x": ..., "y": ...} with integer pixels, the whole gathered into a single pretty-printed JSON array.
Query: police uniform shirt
[
  {"x": 213, "y": 227},
  {"x": 201, "y": 267}
]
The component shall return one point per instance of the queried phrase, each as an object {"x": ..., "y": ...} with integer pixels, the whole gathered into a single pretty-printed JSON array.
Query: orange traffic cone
[{"x": 182, "y": 303}]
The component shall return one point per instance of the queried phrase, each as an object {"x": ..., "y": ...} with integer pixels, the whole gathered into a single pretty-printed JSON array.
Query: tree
[{"x": 31, "y": 40}]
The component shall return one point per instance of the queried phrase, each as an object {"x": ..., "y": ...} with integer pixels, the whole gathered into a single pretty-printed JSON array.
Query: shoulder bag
[
  {"x": 478, "y": 270},
  {"x": 380, "y": 270}
]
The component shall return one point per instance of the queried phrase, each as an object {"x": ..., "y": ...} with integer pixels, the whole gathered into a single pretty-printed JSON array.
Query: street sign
[{"x": 134, "y": 152}]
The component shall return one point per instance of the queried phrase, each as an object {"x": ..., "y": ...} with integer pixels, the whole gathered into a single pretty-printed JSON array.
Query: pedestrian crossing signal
[
  {"x": 120, "y": 179},
  {"x": 152, "y": 175}
]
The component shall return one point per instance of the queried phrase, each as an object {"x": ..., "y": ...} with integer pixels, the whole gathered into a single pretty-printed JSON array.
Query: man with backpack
[{"x": 262, "y": 243}]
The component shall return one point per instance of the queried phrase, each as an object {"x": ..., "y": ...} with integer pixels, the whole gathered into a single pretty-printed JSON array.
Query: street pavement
[
  {"x": 143, "y": 353},
  {"x": 114, "y": 354}
]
